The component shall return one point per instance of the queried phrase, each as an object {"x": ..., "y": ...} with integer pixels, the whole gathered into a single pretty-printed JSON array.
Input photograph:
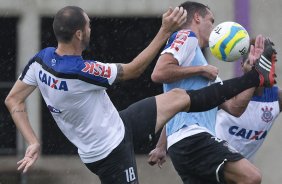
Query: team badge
[{"x": 267, "y": 114}]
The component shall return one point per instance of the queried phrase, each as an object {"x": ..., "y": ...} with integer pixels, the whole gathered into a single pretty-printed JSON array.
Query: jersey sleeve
[
  {"x": 100, "y": 74},
  {"x": 28, "y": 74},
  {"x": 182, "y": 45}
]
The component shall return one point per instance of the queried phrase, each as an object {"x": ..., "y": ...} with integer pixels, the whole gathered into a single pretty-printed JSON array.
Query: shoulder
[
  {"x": 46, "y": 51},
  {"x": 182, "y": 37}
]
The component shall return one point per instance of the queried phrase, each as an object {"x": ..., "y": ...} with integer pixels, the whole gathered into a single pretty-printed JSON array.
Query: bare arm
[
  {"x": 172, "y": 20},
  {"x": 167, "y": 70},
  {"x": 15, "y": 102},
  {"x": 157, "y": 155},
  {"x": 237, "y": 105}
]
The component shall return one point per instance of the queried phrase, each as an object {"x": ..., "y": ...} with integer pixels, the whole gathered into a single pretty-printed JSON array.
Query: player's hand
[
  {"x": 31, "y": 155},
  {"x": 157, "y": 156},
  {"x": 265, "y": 64},
  {"x": 210, "y": 72},
  {"x": 256, "y": 50},
  {"x": 174, "y": 19}
]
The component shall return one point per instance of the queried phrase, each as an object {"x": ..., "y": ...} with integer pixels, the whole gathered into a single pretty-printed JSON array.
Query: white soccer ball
[{"x": 229, "y": 41}]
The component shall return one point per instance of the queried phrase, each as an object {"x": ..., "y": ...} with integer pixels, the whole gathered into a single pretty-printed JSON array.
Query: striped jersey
[
  {"x": 74, "y": 92},
  {"x": 247, "y": 132},
  {"x": 183, "y": 46}
]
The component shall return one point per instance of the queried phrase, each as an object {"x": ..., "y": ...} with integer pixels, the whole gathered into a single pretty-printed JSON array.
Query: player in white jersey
[
  {"x": 197, "y": 155},
  {"x": 74, "y": 90},
  {"x": 248, "y": 132}
]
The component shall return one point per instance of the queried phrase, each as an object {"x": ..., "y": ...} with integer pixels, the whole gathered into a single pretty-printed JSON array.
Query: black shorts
[
  {"x": 200, "y": 158},
  {"x": 119, "y": 167}
]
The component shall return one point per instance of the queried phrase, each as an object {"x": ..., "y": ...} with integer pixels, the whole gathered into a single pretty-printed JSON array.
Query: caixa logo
[
  {"x": 52, "y": 82},
  {"x": 247, "y": 134}
]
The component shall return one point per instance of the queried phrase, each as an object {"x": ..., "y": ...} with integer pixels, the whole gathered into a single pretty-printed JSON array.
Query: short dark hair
[
  {"x": 67, "y": 21},
  {"x": 193, "y": 7}
]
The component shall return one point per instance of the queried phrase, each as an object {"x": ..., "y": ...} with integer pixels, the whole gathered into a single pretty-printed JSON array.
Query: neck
[
  {"x": 196, "y": 31},
  {"x": 68, "y": 49}
]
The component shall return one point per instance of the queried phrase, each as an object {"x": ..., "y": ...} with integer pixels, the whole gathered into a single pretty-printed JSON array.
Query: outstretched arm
[
  {"x": 15, "y": 103},
  {"x": 168, "y": 70},
  {"x": 172, "y": 20},
  {"x": 157, "y": 155},
  {"x": 237, "y": 105}
]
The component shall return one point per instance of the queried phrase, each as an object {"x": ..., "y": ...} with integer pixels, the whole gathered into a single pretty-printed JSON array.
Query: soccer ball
[{"x": 229, "y": 41}]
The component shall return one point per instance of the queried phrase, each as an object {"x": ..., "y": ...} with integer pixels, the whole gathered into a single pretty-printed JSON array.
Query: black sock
[{"x": 215, "y": 94}]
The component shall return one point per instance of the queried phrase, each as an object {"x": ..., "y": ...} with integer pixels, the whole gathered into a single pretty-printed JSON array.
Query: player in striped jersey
[
  {"x": 248, "y": 132},
  {"x": 74, "y": 90}
]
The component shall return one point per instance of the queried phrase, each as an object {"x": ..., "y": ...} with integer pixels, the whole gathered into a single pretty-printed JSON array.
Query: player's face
[
  {"x": 206, "y": 27},
  {"x": 86, "y": 32}
]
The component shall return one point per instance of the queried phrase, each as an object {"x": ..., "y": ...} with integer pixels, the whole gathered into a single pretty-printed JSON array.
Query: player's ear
[
  {"x": 197, "y": 17},
  {"x": 79, "y": 35}
]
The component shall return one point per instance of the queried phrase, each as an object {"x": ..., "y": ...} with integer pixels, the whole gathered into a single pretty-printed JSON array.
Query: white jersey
[
  {"x": 247, "y": 133},
  {"x": 74, "y": 91}
]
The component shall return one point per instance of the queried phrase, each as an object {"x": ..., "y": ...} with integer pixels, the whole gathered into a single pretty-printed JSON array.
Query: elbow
[
  {"x": 157, "y": 78},
  {"x": 9, "y": 102}
]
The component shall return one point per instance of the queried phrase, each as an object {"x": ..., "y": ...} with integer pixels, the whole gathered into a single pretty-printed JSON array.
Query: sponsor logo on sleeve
[
  {"x": 97, "y": 69},
  {"x": 180, "y": 39}
]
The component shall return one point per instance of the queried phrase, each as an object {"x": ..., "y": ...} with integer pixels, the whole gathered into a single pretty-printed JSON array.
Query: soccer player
[
  {"x": 74, "y": 90},
  {"x": 248, "y": 132},
  {"x": 197, "y": 155}
]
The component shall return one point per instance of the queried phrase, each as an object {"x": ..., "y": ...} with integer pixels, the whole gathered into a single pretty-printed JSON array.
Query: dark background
[
  {"x": 8, "y": 47},
  {"x": 113, "y": 40}
]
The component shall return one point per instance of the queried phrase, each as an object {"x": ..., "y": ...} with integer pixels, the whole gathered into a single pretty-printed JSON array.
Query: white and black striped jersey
[
  {"x": 74, "y": 91},
  {"x": 247, "y": 132}
]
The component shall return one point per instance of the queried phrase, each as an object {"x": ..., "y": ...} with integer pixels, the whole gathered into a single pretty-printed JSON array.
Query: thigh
[
  {"x": 241, "y": 171},
  {"x": 119, "y": 167},
  {"x": 202, "y": 156},
  {"x": 140, "y": 120}
]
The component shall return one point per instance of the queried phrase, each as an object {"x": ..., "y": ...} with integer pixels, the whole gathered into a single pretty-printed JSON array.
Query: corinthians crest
[{"x": 267, "y": 114}]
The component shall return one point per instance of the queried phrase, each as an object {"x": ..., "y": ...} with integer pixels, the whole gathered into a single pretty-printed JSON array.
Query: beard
[{"x": 85, "y": 41}]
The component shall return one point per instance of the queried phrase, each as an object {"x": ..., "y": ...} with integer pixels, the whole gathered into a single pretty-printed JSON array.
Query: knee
[
  {"x": 179, "y": 93},
  {"x": 242, "y": 172},
  {"x": 255, "y": 177},
  {"x": 181, "y": 97}
]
